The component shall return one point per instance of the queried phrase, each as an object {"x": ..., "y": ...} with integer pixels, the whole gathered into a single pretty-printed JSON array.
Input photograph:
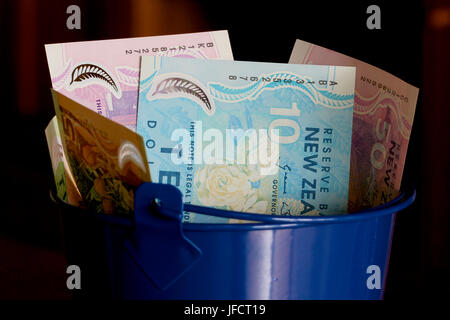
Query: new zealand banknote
[
  {"x": 104, "y": 75},
  {"x": 383, "y": 117},
  {"x": 66, "y": 188},
  {"x": 107, "y": 160},
  {"x": 246, "y": 136}
]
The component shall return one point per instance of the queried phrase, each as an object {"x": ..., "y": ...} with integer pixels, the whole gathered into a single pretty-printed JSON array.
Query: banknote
[
  {"x": 104, "y": 75},
  {"x": 107, "y": 160},
  {"x": 383, "y": 116},
  {"x": 66, "y": 188},
  {"x": 246, "y": 136}
]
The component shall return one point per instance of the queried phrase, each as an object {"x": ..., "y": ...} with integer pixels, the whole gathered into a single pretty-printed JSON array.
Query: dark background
[{"x": 413, "y": 44}]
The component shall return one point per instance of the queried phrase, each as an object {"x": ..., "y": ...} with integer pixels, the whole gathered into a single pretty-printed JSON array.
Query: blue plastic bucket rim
[{"x": 264, "y": 221}]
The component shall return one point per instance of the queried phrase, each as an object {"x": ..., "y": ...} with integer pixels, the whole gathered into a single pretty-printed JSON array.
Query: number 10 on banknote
[{"x": 247, "y": 136}]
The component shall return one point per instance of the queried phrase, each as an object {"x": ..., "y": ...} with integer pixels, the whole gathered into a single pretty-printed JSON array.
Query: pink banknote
[
  {"x": 382, "y": 120},
  {"x": 104, "y": 75}
]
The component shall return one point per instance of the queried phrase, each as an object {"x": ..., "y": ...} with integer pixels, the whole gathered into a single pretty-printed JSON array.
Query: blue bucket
[{"x": 156, "y": 256}]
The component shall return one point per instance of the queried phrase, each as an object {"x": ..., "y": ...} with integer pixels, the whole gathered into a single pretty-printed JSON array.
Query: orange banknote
[{"x": 107, "y": 160}]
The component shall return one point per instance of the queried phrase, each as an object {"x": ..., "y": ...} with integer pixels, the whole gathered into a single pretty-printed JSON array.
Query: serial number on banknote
[
  {"x": 384, "y": 88},
  {"x": 274, "y": 79},
  {"x": 164, "y": 49}
]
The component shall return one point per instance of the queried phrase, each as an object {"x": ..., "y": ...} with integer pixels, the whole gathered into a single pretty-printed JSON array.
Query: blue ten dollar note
[{"x": 247, "y": 136}]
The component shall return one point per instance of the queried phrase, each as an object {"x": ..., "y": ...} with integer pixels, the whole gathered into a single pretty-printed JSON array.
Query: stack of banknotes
[{"x": 323, "y": 134}]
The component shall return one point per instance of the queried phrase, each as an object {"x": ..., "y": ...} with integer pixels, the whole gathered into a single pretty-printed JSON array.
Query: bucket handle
[
  {"x": 403, "y": 200},
  {"x": 157, "y": 244}
]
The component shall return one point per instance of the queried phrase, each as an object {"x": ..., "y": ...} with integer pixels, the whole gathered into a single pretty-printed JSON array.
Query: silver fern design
[
  {"x": 88, "y": 71},
  {"x": 179, "y": 87}
]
